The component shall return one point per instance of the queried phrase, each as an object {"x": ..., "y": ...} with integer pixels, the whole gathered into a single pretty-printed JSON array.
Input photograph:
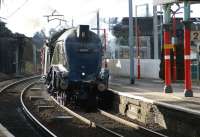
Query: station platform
[
  {"x": 152, "y": 90},
  {"x": 145, "y": 100}
]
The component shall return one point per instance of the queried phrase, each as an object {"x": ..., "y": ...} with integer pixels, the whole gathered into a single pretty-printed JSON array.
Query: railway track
[
  {"x": 43, "y": 130},
  {"x": 110, "y": 123},
  {"x": 53, "y": 117},
  {"x": 7, "y": 82},
  {"x": 98, "y": 123},
  {"x": 12, "y": 116}
]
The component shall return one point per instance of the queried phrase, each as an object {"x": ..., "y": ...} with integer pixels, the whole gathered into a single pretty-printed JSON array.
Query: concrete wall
[{"x": 121, "y": 67}]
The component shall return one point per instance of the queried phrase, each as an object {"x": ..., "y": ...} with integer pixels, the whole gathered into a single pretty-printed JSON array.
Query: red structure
[
  {"x": 167, "y": 48},
  {"x": 188, "y": 84},
  {"x": 138, "y": 53}
]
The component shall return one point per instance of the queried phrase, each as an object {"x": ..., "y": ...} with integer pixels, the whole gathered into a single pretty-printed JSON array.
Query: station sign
[
  {"x": 195, "y": 35},
  {"x": 162, "y": 2}
]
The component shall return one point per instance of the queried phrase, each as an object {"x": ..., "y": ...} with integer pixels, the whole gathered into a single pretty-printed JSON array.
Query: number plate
[
  {"x": 195, "y": 35},
  {"x": 83, "y": 50}
]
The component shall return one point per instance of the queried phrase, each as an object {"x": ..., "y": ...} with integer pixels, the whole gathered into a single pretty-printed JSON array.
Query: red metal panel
[
  {"x": 167, "y": 59},
  {"x": 188, "y": 84}
]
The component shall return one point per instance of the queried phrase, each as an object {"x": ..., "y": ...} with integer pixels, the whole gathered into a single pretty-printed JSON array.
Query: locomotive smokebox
[{"x": 83, "y": 32}]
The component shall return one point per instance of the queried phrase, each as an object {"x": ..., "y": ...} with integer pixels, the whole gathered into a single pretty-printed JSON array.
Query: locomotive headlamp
[{"x": 83, "y": 74}]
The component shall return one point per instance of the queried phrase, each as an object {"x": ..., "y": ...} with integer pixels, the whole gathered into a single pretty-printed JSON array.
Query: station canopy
[{"x": 161, "y": 2}]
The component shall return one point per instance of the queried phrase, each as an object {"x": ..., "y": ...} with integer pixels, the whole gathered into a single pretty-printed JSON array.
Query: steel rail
[
  {"x": 17, "y": 82},
  {"x": 87, "y": 121},
  {"x": 39, "y": 125},
  {"x": 131, "y": 124}
]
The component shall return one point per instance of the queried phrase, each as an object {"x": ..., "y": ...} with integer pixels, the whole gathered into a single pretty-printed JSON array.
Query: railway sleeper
[
  {"x": 62, "y": 119},
  {"x": 35, "y": 89},
  {"x": 42, "y": 108},
  {"x": 32, "y": 98}
]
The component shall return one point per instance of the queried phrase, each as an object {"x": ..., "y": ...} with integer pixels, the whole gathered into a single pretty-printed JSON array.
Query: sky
[{"x": 27, "y": 16}]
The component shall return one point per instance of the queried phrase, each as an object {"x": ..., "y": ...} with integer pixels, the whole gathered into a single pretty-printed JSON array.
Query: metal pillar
[
  {"x": 137, "y": 43},
  {"x": 187, "y": 62},
  {"x": 167, "y": 48},
  {"x": 98, "y": 26},
  {"x": 161, "y": 30},
  {"x": 45, "y": 60},
  {"x": 155, "y": 32},
  {"x": 138, "y": 53},
  {"x": 132, "y": 78}
]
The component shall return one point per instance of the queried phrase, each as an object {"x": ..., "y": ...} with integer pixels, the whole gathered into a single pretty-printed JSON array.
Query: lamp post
[{"x": 130, "y": 42}]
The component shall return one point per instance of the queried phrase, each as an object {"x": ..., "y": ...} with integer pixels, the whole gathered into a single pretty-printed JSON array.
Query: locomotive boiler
[{"x": 75, "y": 71}]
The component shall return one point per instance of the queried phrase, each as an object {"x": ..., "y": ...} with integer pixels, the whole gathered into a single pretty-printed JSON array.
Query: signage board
[{"x": 195, "y": 35}]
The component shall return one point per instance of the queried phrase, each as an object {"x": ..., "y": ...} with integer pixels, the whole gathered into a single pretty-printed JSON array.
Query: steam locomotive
[{"x": 75, "y": 71}]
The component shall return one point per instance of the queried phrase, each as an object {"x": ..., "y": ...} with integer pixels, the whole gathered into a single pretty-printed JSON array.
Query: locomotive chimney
[{"x": 83, "y": 32}]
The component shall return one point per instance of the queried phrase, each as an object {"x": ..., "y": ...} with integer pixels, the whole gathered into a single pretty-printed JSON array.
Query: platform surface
[{"x": 151, "y": 90}]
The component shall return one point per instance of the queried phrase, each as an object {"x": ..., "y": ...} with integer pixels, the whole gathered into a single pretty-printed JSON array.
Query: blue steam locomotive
[{"x": 76, "y": 71}]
